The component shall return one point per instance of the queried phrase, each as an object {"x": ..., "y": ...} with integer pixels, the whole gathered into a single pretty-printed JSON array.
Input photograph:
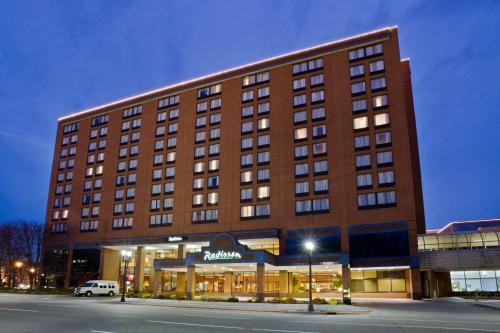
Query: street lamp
[
  {"x": 18, "y": 265},
  {"x": 32, "y": 277},
  {"x": 126, "y": 256},
  {"x": 310, "y": 247}
]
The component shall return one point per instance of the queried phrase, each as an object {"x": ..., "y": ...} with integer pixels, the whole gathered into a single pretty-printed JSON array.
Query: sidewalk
[{"x": 245, "y": 306}]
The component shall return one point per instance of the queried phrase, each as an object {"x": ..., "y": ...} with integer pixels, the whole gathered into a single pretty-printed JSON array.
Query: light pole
[
  {"x": 126, "y": 255},
  {"x": 310, "y": 247},
  {"x": 32, "y": 278},
  {"x": 18, "y": 265}
]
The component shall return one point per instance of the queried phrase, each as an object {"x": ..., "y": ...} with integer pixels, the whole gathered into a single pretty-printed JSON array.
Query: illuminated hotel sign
[
  {"x": 221, "y": 255},
  {"x": 175, "y": 239}
]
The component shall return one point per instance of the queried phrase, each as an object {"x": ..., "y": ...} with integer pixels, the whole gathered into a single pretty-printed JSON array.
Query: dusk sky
[{"x": 59, "y": 57}]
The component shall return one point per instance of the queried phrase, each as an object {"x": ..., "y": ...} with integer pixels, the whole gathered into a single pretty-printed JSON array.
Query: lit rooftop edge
[{"x": 226, "y": 71}]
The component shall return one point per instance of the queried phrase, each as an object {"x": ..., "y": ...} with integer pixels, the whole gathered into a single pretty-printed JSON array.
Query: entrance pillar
[
  {"x": 181, "y": 251},
  {"x": 283, "y": 283},
  {"x": 431, "y": 279},
  {"x": 69, "y": 264},
  {"x": 346, "y": 277},
  {"x": 415, "y": 284},
  {"x": 109, "y": 264},
  {"x": 228, "y": 283},
  {"x": 180, "y": 287},
  {"x": 190, "y": 281},
  {"x": 260, "y": 277},
  {"x": 156, "y": 283},
  {"x": 139, "y": 270}
]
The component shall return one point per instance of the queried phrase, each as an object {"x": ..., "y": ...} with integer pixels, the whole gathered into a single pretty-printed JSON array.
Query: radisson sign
[{"x": 221, "y": 255}]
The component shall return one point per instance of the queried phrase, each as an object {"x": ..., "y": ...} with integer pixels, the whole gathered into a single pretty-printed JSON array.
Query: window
[
  {"x": 317, "y": 80},
  {"x": 263, "y": 92},
  {"x": 168, "y": 203},
  {"x": 71, "y": 128},
  {"x": 384, "y": 158},
  {"x": 171, "y": 142},
  {"x": 301, "y": 188},
  {"x": 158, "y": 144},
  {"x": 359, "y": 105},
  {"x": 321, "y": 186},
  {"x": 102, "y": 144},
  {"x": 246, "y": 160},
  {"x": 300, "y": 152},
  {"x": 386, "y": 198},
  {"x": 131, "y": 178},
  {"x": 213, "y": 182},
  {"x": 381, "y": 119},
  {"x": 246, "y": 143},
  {"x": 246, "y": 177},
  {"x": 214, "y": 133},
  {"x": 364, "y": 180},
  {"x": 103, "y": 131},
  {"x": 215, "y": 103},
  {"x": 169, "y": 188},
  {"x": 93, "y": 134},
  {"x": 88, "y": 226},
  {"x": 367, "y": 200},
  {"x": 215, "y": 118},
  {"x": 263, "y": 140},
  {"x": 173, "y": 114},
  {"x": 319, "y": 148},
  {"x": 379, "y": 101},
  {"x": 197, "y": 199},
  {"x": 59, "y": 228},
  {"x": 161, "y": 116},
  {"x": 160, "y": 220},
  {"x": 247, "y": 96},
  {"x": 247, "y": 111},
  {"x": 168, "y": 101},
  {"x": 129, "y": 207},
  {"x": 247, "y": 127},
  {"x": 361, "y": 142},
  {"x": 308, "y": 66},
  {"x": 377, "y": 66},
  {"x": 357, "y": 70},
  {"x": 125, "y": 125},
  {"x": 208, "y": 91},
  {"x": 123, "y": 223},
  {"x": 198, "y": 183},
  {"x": 92, "y": 146},
  {"x": 213, "y": 149},
  {"x": 199, "y": 167},
  {"x": 201, "y": 121},
  {"x": 199, "y": 152},
  {"x": 263, "y": 108},
  {"x": 302, "y": 206},
  {"x": 247, "y": 211},
  {"x": 300, "y": 134},
  {"x": 318, "y": 113},
  {"x": 321, "y": 205},
  {"x": 246, "y": 194},
  {"x": 136, "y": 123},
  {"x": 212, "y": 198},
  {"x": 157, "y": 174},
  {"x": 172, "y": 128},
  {"x": 132, "y": 111},
  {"x": 263, "y": 175},
  {"x": 255, "y": 79},
  {"x": 301, "y": 169},
  {"x": 134, "y": 150},
  {"x": 263, "y": 157},
  {"x": 366, "y": 52},
  {"x": 170, "y": 172},
  {"x": 158, "y": 159},
  {"x": 363, "y": 161},
  {"x": 170, "y": 158},
  {"x": 201, "y": 107},
  {"x": 378, "y": 84},
  {"x": 119, "y": 194},
  {"x": 319, "y": 131},
  {"x": 386, "y": 178},
  {"x": 263, "y": 124},
  {"x": 213, "y": 165},
  {"x": 299, "y": 100},
  {"x": 263, "y": 210},
  {"x": 360, "y": 123},
  {"x": 300, "y": 117},
  {"x": 383, "y": 138},
  {"x": 124, "y": 139},
  {"x": 200, "y": 136},
  {"x": 358, "y": 88},
  {"x": 299, "y": 84}
]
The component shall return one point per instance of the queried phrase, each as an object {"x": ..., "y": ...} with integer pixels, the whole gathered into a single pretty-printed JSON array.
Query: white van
[{"x": 98, "y": 287}]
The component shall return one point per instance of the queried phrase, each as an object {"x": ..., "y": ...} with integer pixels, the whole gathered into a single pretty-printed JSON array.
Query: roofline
[
  {"x": 225, "y": 72},
  {"x": 465, "y": 221}
]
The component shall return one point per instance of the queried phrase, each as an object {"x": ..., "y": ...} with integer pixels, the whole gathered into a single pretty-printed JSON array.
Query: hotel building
[{"x": 215, "y": 183}]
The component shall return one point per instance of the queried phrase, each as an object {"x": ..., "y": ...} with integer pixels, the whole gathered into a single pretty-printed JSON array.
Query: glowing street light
[
  {"x": 309, "y": 245},
  {"x": 126, "y": 256}
]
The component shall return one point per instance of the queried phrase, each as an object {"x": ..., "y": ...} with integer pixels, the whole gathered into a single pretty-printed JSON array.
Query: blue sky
[{"x": 57, "y": 57}]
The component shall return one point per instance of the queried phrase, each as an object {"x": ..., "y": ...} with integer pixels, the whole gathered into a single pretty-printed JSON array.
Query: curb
[{"x": 487, "y": 306}]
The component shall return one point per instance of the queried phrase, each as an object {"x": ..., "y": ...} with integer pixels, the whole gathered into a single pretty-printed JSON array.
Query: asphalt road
[{"x": 55, "y": 314}]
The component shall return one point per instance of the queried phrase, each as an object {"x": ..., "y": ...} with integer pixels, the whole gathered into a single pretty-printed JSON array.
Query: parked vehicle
[{"x": 97, "y": 287}]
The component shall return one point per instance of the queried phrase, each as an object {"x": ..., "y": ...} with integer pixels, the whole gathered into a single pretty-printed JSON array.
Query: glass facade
[
  {"x": 475, "y": 280},
  {"x": 381, "y": 281}
]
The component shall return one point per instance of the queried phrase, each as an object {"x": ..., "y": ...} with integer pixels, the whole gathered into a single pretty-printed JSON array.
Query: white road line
[
  {"x": 437, "y": 321},
  {"x": 101, "y": 331},
  {"x": 271, "y": 330},
  {"x": 62, "y": 306},
  {"x": 403, "y": 326},
  {"x": 191, "y": 324},
  {"x": 22, "y": 310},
  {"x": 218, "y": 317}
]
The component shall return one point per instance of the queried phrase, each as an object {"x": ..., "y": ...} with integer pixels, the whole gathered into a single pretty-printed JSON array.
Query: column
[
  {"x": 109, "y": 264},
  {"x": 190, "y": 281},
  {"x": 181, "y": 251},
  {"x": 69, "y": 263},
  {"x": 415, "y": 284},
  {"x": 228, "y": 283},
  {"x": 156, "y": 283},
  {"x": 180, "y": 283},
  {"x": 431, "y": 280},
  {"x": 283, "y": 283},
  {"x": 260, "y": 277},
  {"x": 346, "y": 277},
  {"x": 139, "y": 270}
]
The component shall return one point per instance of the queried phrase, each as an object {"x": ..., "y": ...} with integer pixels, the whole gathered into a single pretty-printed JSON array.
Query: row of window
[
  {"x": 385, "y": 178},
  {"x": 314, "y": 80},
  {"x": 255, "y": 79},
  {"x": 378, "y": 102},
  {"x": 379, "y": 199},
  {"x": 316, "y": 97},
  {"x": 367, "y": 51},
  {"x": 359, "y": 70},
  {"x": 384, "y": 158},
  {"x": 377, "y": 84},
  {"x": 247, "y": 96}
]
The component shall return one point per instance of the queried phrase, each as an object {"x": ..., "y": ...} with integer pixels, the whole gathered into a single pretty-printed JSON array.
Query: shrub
[
  {"x": 318, "y": 300},
  {"x": 180, "y": 297},
  {"x": 161, "y": 297},
  {"x": 333, "y": 301},
  {"x": 346, "y": 300},
  {"x": 233, "y": 299},
  {"x": 289, "y": 300},
  {"x": 274, "y": 300},
  {"x": 146, "y": 295}
]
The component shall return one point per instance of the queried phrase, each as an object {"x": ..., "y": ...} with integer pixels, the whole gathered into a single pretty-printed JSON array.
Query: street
[{"x": 51, "y": 314}]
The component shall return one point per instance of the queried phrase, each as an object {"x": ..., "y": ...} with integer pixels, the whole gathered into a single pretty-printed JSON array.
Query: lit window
[
  {"x": 213, "y": 165},
  {"x": 379, "y": 101},
  {"x": 381, "y": 119},
  {"x": 212, "y": 198},
  {"x": 263, "y": 192},
  {"x": 246, "y": 177},
  {"x": 300, "y": 134},
  {"x": 263, "y": 124},
  {"x": 360, "y": 123}
]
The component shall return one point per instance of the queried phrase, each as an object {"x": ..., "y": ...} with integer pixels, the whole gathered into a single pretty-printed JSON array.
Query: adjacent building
[{"x": 215, "y": 183}]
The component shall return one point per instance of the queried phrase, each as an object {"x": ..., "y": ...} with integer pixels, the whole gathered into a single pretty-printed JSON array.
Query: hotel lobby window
[
  {"x": 381, "y": 281},
  {"x": 475, "y": 280},
  {"x": 244, "y": 282}
]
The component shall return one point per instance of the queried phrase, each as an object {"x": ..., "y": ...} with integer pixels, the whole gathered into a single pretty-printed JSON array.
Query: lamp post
[
  {"x": 18, "y": 265},
  {"x": 32, "y": 277},
  {"x": 310, "y": 247},
  {"x": 126, "y": 255}
]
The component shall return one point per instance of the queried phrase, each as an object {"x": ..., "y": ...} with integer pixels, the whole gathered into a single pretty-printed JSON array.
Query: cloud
[{"x": 17, "y": 135}]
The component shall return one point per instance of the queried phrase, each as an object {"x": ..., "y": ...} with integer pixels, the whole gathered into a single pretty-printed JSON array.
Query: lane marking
[
  {"x": 218, "y": 317},
  {"x": 60, "y": 305},
  {"x": 197, "y": 325},
  {"x": 439, "y": 321},
  {"x": 403, "y": 326},
  {"x": 271, "y": 330},
  {"x": 101, "y": 331},
  {"x": 22, "y": 310}
]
